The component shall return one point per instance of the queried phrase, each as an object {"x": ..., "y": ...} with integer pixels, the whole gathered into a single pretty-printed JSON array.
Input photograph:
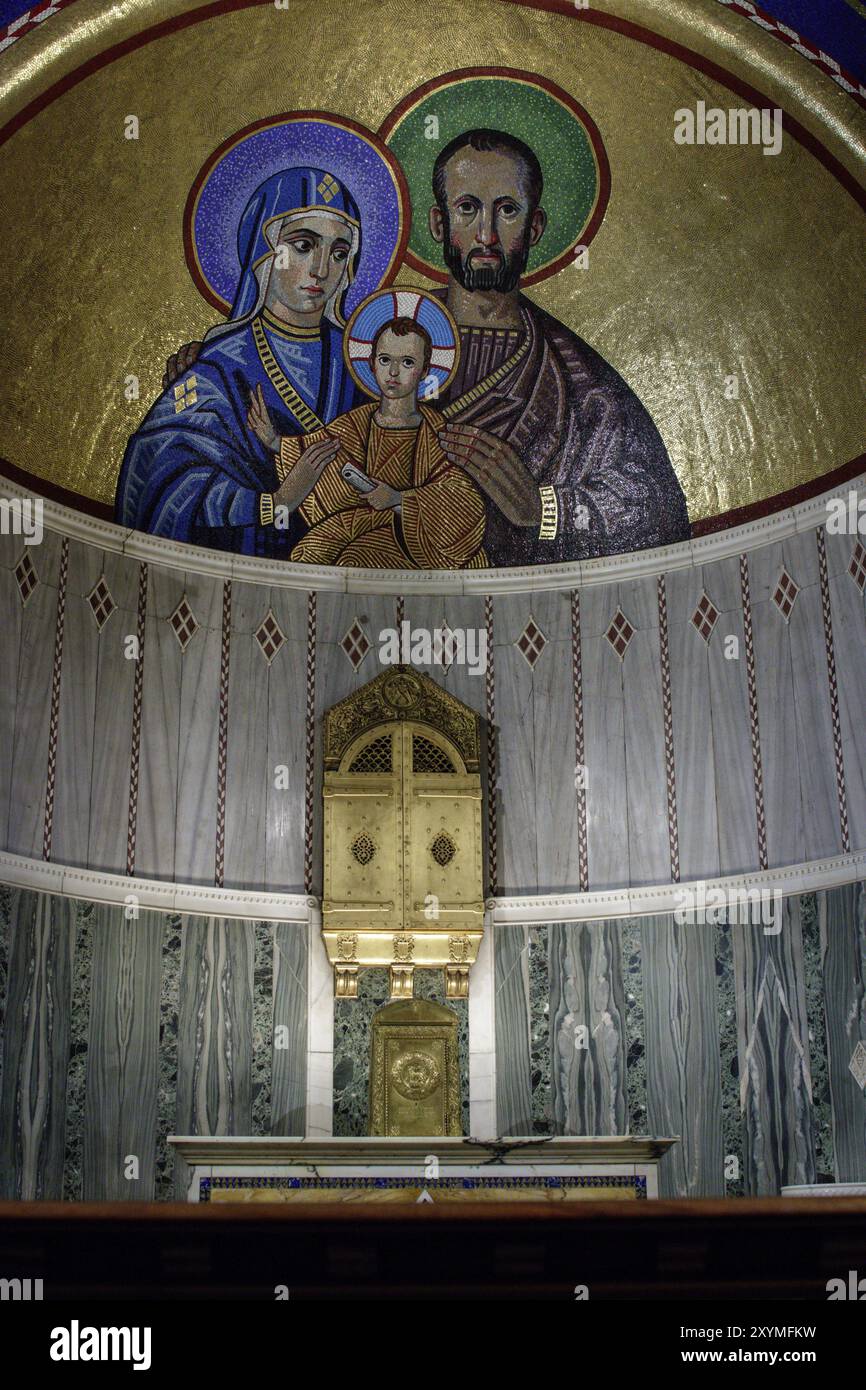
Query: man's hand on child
[
  {"x": 497, "y": 469},
  {"x": 382, "y": 497},
  {"x": 259, "y": 421}
]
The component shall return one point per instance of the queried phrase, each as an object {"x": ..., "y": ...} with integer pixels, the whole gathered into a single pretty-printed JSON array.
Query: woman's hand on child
[
  {"x": 382, "y": 497},
  {"x": 259, "y": 421}
]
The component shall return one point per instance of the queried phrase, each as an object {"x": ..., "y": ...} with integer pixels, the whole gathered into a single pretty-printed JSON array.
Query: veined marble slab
[
  {"x": 513, "y": 1067},
  {"x": 36, "y": 1047},
  {"x": 842, "y": 919},
  {"x": 120, "y": 1120},
  {"x": 214, "y": 1078},
  {"x": 775, "y": 1077},
  {"x": 290, "y": 1016},
  {"x": 587, "y": 1029},
  {"x": 682, "y": 1054}
]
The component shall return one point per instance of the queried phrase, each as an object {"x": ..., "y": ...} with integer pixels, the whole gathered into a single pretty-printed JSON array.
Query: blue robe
[{"x": 194, "y": 472}]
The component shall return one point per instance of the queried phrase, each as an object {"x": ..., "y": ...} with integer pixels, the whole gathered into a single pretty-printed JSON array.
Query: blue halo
[{"x": 404, "y": 301}]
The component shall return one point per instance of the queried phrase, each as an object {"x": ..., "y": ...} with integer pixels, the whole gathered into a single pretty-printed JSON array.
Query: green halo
[{"x": 563, "y": 136}]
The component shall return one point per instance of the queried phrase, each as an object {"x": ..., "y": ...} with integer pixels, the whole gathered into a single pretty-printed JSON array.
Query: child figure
[{"x": 387, "y": 496}]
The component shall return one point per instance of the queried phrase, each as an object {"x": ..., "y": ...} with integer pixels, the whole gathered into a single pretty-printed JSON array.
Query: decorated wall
[
  {"x": 739, "y": 1041},
  {"x": 523, "y": 353}
]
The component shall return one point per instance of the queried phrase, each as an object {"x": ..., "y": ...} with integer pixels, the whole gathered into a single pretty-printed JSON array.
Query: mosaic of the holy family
[{"x": 334, "y": 417}]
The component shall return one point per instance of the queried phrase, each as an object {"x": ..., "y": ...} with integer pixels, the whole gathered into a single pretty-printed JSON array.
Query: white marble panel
[
  {"x": 33, "y": 708},
  {"x": 286, "y": 745},
  {"x": 77, "y": 710},
  {"x": 814, "y": 725},
  {"x": 780, "y": 754},
  {"x": 160, "y": 730},
  {"x": 199, "y": 735},
  {"x": 604, "y": 730},
  {"x": 646, "y": 781},
  {"x": 112, "y": 743},
  {"x": 694, "y": 754},
  {"x": 247, "y": 772},
  {"x": 729, "y": 709},
  {"x": 848, "y": 607},
  {"x": 554, "y": 755},
  {"x": 11, "y": 614},
  {"x": 517, "y": 805}
]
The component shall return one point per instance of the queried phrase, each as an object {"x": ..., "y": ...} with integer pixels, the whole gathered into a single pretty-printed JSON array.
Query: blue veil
[{"x": 291, "y": 194}]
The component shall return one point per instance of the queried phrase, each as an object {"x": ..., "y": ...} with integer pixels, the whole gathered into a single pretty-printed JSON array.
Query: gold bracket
[
  {"x": 346, "y": 981},
  {"x": 401, "y": 981}
]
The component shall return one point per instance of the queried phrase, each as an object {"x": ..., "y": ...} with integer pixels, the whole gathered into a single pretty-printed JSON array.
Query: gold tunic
[{"x": 441, "y": 524}]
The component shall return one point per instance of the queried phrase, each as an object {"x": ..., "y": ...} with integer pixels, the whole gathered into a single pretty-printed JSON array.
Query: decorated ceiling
[{"x": 433, "y": 287}]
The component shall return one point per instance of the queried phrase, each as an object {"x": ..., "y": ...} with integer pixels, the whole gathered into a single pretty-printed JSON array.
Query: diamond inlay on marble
[
  {"x": 531, "y": 642},
  {"x": 705, "y": 617},
  {"x": 857, "y": 1065},
  {"x": 355, "y": 644},
  {"x": 269, "y": 636},
  {"x": 785, "y": 594},
  {"x": 620, "y": 633},
  {"x": 26, "y": 576},
  {"x": 184, "y": 623},
  {"x": 102, "y": 605},
  {"x": 857, "y": 567},
  {"x": 443, "y": 642}
]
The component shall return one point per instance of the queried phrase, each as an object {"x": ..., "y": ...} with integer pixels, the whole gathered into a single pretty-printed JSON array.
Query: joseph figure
[{"x": 558, "y": 442}]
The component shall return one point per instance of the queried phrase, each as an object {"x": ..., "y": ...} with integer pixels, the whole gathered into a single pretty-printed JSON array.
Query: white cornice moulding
[
  {"x": 116, "y": 890},
  {"x": 665, "y": 898},
  {"x": 578, "y": 574},
  {"x": 17, "y": 871}
]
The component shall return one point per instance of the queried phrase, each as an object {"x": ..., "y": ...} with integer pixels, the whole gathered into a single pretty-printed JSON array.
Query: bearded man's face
[{"x": 486, "y": 220}]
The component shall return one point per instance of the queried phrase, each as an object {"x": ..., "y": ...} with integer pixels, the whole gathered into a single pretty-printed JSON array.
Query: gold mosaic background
[{"x": 710, "y": 261}]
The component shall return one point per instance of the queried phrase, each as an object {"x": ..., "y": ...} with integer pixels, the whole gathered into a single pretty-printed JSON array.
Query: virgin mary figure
[{"x": 193, "y": 471}]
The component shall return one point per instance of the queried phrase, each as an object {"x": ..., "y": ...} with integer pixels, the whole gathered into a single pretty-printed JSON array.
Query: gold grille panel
[
  {"x": 428, "y": 757},
  {"x": 376, "y": 757}
]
